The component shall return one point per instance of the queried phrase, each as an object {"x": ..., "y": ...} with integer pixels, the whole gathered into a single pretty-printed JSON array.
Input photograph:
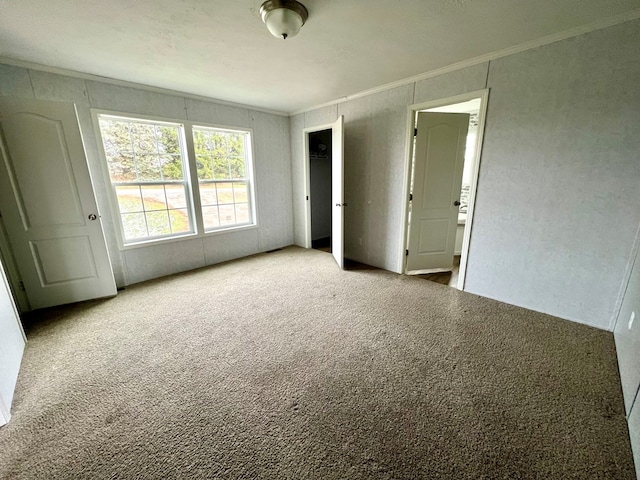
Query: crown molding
[
  {"x": 139, "y": 86},
  {"x": 556, "y": 37}
]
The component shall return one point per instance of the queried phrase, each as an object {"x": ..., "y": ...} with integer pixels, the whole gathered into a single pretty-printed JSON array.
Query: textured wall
[
  {"x": 296, "y": 125},
  {"x": 451, "y": 84},
  {"x": 374, "y": 156},
  {"x": 375, "y": 144},
  {"x": 557, "y": 205},
  {"x": 272, "y": 163}
]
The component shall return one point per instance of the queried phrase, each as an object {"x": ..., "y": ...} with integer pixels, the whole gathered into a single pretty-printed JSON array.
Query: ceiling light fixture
[{"x": 283, "y": 18}]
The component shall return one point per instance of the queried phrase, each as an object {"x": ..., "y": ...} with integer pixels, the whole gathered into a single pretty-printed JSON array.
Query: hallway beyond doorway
[{"x": 445, "y": 278}]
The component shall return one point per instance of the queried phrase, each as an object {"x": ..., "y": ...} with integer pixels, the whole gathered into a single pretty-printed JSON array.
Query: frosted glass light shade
[
  {"x": 283, "y": 18},
  {"x": 283, "y": 23}
]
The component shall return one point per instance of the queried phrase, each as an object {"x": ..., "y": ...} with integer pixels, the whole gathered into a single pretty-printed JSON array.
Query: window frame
[
  {"x": 249, "y": 173},
  {"x": 194, "y": 204}
]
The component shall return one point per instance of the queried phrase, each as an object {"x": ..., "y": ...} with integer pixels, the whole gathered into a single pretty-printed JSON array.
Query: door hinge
[
  {"x": 406, "y": 253},
  {"x": 21, "y": 286},
  {"x": 415, "y": 132},
  {"x": 411, "y": 197}
]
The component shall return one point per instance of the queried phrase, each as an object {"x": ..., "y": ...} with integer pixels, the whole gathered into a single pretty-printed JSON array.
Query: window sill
[
  {"x": 157, "y": 241},
  {"x": 230, "y": 230},
  {"x": 181, "y": 238}
]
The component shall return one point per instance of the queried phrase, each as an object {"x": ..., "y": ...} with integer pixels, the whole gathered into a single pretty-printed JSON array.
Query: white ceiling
[{"x": 221, "y": 49}]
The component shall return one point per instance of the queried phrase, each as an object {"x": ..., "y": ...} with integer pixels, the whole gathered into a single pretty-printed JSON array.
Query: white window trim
[{"x": 191, "y": 173}]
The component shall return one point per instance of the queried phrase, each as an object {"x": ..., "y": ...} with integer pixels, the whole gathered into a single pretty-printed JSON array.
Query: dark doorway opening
[{"x": 320, "y": 189}]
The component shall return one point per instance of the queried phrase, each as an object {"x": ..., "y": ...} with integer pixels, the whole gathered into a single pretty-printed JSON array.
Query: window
[
  {"x": 222, "y": 177},
  {"x": 146, "y": 167},
  {"x": 149, "y": 164}
]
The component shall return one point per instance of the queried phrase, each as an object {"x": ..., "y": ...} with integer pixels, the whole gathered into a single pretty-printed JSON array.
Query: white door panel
[
  {"x": 437, "y": 179},
  {"x": 12, "y": 343},
  {"x": 337, "y": 191},
  {"x": 48, "y": 204}
]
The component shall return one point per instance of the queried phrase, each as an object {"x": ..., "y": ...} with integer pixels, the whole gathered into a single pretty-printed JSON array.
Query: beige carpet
[{"x": 280, "y": 366}]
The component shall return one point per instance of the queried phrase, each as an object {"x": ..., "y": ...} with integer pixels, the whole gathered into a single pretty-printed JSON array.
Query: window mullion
[
  {"x": 196, "y": 206},
  {"x": 144, "y": 211},
  {"x": 157, "y": 137},
  {"x": 133, "y": 152},
  {"x": 249, "y": 175}
]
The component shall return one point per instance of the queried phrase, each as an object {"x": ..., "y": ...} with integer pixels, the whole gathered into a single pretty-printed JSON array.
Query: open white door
[
  {"x": 48, "y": 204},
  {"x": 12, "y": 342},
  {"x": 337, "y": 191},
  {"x": 437, "y": 179}
]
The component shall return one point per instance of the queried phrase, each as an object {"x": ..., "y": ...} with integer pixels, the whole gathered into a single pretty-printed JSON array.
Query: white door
[
  {"x": 12, "y": 342},
  {"x": 48, "y": 205},
  {"x": 437, "y": 179},
  {"x": 337, "y": 191}
]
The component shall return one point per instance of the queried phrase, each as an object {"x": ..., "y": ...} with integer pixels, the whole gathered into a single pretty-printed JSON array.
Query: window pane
[
  {"x": 221, "y": 157},
  {"x": 179, "y": 221},
  {"x": 200, "y": 140},
  {"x": 116, "y": 137},
  {"x": 242, "y": 213},
  {"x": 153, "y": 197},
  {"x": 176, "y": 196},
  {"x": 210, "y": 217},
  {"x": 139, "y": 152},
  {"x": 168, "y": 141},
  {"x": 122, "y": 168},
  {"x": 218, "y": 144},
  {"x": 208, "y": 194},
  {"x": 237, "y": 167},
  {"x": 240, "y": 192},
  {"x": 220, "y": 168},
  {"x": 171, "y": 167},
  {"x": 227, "y": 215},
  {"x": 225, "y": 192},
  {"x": 144, "y": 138},
  {"x": 205, "y": 167},
  {"x": 235, "y": 143},
  {"x": 158, "y": 223},
  {"x": 129, "y": 199},
  {"x": 148, "y": 168},
  {"x": 135, "y": 226}
]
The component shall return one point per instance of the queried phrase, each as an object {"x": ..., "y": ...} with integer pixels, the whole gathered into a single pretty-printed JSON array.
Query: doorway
[
  {"x": 328, "y": 190},
  {"x": 442, "y": 170},
  {"x": 320, "y": 174}
]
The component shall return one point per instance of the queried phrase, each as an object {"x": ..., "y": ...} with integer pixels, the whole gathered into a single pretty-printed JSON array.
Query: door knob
[
  {"x": 338, "y": 204},
  {"x": 457, "y": 203},
  {"x": 92, "y": 216}
]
